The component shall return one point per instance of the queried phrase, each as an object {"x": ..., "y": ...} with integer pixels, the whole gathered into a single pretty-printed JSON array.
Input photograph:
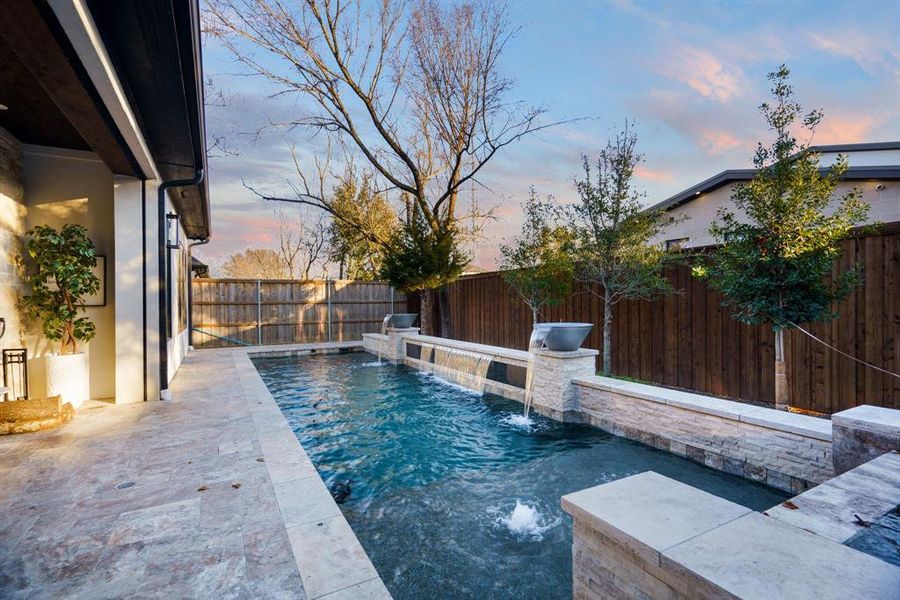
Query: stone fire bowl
[
  {"x": 567, "y": 337},
  {"x": 403, "y": 320}
]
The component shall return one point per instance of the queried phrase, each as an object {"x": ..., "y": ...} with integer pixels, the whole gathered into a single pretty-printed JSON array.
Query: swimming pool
[{"x": 450, "y": 493}]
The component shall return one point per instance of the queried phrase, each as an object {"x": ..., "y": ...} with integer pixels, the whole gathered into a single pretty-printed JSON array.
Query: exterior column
[
  {"x": 863, "y": 433},
  {"x": 396, "y": 347},
  {"x": 552, "y": 393},
  {"x": 127, "y": 277}
]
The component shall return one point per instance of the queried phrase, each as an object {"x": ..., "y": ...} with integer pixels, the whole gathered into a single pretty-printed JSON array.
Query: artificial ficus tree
[
  {"x": 613, "y": 231},
  {"x": 535, "y": 263},
  {"x": 415, "y": 89},
  {"x": 779, "y": 244},
  {"x": 60, "y": 271}
]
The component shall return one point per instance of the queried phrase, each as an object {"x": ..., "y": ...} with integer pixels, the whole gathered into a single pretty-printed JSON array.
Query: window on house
[{"x": 677, "y": 244}]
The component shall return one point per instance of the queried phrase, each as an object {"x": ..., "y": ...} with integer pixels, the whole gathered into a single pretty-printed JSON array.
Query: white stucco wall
[
  {"x": 70, "y": 186},
  {"x": 702, "y": 211}
]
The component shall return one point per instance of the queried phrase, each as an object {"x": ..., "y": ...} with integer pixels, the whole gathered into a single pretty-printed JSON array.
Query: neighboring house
[
  {"x": 102, "y": 105},
  {"x": 874, "y": 169}
]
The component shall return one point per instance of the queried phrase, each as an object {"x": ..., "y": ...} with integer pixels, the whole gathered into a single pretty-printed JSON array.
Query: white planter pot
[{"x": 67, "y": 376}]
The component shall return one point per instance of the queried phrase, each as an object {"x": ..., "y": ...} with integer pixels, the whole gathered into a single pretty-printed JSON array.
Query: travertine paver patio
[{"x": 174, "y": 499}]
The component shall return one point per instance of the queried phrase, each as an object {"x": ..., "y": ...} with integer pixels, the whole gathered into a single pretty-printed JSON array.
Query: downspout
[
  {"x": 190, "y": 306},
  {"x": 162, "y": 275}
]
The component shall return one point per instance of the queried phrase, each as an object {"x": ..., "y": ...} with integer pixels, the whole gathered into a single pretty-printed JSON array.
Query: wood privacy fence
[
  {"x": 688, "y": 340},
  {"x": 288, "y": 312}
]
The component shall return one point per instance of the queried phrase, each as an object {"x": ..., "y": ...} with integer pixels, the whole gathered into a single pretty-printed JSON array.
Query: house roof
[
  {"x": 155, "y": 46},
  {"x": 53, "y": 100},
  {"x": 730, "y": 176}
]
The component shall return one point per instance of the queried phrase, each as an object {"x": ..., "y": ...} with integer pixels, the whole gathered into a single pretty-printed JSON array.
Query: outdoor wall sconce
[{"x": 173, "y": 241}]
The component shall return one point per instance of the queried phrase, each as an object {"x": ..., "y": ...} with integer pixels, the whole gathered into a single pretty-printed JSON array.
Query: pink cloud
[
  {"x": 659, "y": 175},
  {"x": 873, "y": 53},
  {"x": 704, "y": 73},
  {"x": 845, "y": 129},
  {"x": 718, "y": 142}
]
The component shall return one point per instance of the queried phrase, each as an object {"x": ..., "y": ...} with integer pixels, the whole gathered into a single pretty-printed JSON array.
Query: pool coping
[{"x": 331, "y": 561}]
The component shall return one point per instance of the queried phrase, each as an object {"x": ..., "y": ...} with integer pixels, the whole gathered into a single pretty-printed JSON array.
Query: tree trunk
[
  {"x": 782, "y": 399},
  {"x": 444, "y": 309},
  {"x": 607, "y": 333},
  {"x": 534, "y": 316},
  {"x": 426, "y": 307}
]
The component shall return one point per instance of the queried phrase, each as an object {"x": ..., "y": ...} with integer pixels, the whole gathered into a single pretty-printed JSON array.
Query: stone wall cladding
[
  {"x": 863, "y": 433},
  {"x": 12, "y": 226},
  {"x": 784, "y": 460},
  {"x": 552, "y": 389}
]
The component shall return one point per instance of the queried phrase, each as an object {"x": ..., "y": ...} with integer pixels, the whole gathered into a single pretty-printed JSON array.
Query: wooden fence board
[
  {"x": 690, "y": 340},
  {"x": 290, "y": 312}
]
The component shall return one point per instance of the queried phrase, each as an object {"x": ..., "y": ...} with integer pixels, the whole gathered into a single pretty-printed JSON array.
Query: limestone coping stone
[
  {"x": 878, "y": 478},
  {"x": 649, "y": 513},
  {"x": 519, "y": 357},
  {"x": 803, "y": 425},
  {"x": 876, "y": 419},
  {"x": 831, "y": 512},
  {"x": 330, "y": 559},
  {"x": 564, "y": 355},
  {"x": 757, "y": 557}
]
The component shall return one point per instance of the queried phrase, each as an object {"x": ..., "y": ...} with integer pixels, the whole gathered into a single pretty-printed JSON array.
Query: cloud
[
  {"x": 704, "y": 73},
  {"x": 875, "y": 54},
  {"x": 846, "y": 129},
  {"x": 642, "y": 172}
]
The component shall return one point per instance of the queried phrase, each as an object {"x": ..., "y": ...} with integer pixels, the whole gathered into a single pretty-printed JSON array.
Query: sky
[{"x": 690, "y": 74}]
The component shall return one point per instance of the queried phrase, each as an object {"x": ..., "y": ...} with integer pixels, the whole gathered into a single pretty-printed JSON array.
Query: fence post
[
  {"x": 328, "y": 299},
  {"x": 258, "y": 313}
]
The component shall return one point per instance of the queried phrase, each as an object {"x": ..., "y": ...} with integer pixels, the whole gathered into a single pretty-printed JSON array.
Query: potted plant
[{"x": 61, "y": 275}]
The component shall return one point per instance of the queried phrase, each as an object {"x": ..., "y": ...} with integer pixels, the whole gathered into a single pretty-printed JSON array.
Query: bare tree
[
  {"x": 413, "y": 87},
  {"x": 302, "y": 243},
  {"x": 254, "y": 263}
]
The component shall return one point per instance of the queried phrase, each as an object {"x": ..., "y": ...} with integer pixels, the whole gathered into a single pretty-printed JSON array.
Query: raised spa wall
[{"x": 787, "y": 451}]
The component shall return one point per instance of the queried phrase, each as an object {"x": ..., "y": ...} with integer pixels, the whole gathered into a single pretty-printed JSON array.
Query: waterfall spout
[
  {"x": 384, "y": 326},
  {"x": 538, "y": 334}
]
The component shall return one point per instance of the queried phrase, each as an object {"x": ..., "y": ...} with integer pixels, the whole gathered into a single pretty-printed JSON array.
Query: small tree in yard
[
  {"x": 774, "y": 264},
  {"x": 612, "y": 233},
  {"x": 61, "y": 276},
  {"x": 535, "y": 264}
]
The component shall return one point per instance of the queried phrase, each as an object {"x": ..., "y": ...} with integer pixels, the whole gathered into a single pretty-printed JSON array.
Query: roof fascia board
[
  {"x": 79, "y": 26},
  {"x": 873, "y": 172}
]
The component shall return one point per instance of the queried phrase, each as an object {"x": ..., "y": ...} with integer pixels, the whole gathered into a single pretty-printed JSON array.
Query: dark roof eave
[{"x": 869, "y": 173}]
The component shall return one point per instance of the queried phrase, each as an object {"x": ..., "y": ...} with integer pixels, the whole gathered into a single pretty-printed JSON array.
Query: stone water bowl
[
  {"x": 566, "y": 337},
  {"x": 403, "y": 320}
]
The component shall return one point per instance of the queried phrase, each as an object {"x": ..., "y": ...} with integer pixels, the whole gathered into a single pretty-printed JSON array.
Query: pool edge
[{"x": 319, "y": 534}]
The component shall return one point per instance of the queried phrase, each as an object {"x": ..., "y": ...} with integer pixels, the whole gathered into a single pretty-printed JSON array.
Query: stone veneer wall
[
  {"x": 12, "y": 226},
  {"x": 787, "y": 451}
]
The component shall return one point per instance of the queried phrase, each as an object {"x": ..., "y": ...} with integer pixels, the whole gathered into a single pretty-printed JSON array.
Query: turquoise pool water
[{"x": 436, "y": 472}]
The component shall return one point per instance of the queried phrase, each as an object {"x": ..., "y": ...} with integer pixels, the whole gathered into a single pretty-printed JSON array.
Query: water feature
[
  {"x": 536, "y": 342},
  {"x": 471, "y": 364},
  {"x": 384, "y": 326},
  {"x": 450, "y": 497}
]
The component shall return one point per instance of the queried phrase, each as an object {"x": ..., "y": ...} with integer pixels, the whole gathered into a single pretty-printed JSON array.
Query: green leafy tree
[
  {"x": 60, "y": 273},
  {"x": 779, "y": 246},
  {"x": 421, "y": 259},
  {"x": 364, "y": 223},
  {"x": 535, "y": 264},
  {"x": 612, "y": 232}
]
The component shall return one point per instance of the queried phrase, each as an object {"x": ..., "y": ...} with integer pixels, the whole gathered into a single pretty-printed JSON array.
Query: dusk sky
[{"x": 691, "y": 74}]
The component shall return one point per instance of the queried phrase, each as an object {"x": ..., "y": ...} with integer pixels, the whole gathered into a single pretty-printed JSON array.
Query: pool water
[
  {"x": 452, "y": 494},
  {"x": 881, "y": 539}
]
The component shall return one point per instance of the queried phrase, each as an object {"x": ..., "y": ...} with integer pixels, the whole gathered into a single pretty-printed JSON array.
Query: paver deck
[{"x": 174, "y": 499}]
